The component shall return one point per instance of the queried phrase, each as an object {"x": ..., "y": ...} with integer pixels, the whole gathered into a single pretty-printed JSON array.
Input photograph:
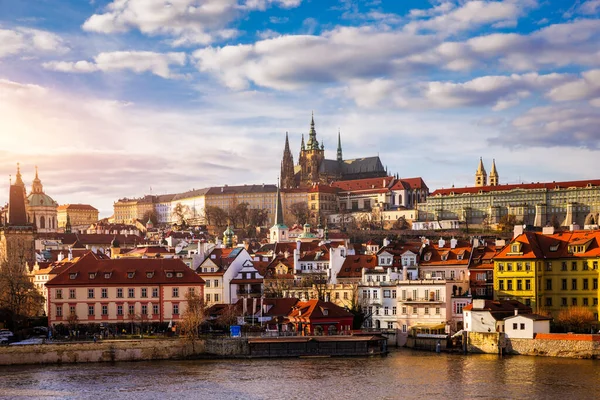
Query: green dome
[{"x": 41, "y": 200}]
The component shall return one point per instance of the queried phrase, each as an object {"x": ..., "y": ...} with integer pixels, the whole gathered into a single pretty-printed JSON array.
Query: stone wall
[
  {"x": 484, "y": 342},
  {"x": 556, "y": 345},
  {"x": 103, "y": 351},
  {"x": 227, "y": 347}
]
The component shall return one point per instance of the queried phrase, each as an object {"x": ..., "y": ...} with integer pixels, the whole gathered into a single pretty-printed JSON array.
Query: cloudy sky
[{"x": 115, "y": 98}]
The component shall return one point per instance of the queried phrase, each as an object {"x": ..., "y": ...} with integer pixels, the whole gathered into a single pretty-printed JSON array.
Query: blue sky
[{"x": 112, "y": 98}]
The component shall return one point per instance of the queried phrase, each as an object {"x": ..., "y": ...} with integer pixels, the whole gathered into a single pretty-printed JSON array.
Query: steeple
[
  {"x": 68, "y": 224},
  {"x": 302, "y": 147},
  {"x": 494, "y": 178},
  {"x": 287, "y": 166},
  {"x": 313, "y": 143},
  {"x": 36, "y": 186},
  {"x": 19, "y": 178},
  {"x": 339, "y": 149},
  {"x": 279, "y": 231},
  {"x": 278, "y": 209},
  {"x": 480, "y": 175}
]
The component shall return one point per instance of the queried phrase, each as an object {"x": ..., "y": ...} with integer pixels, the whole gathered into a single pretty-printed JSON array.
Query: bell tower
[{"x": 480, "y": 175}]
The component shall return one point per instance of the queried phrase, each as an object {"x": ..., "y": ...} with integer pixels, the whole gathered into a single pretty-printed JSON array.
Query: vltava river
[{"x": 404, "y": 374}]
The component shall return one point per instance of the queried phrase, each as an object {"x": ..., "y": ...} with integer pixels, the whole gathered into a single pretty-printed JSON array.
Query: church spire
[
  {"x": 278, "y": 208},
  {"x": 494, "y": 178},
  {"x": 19, "y": 178},
  {"x": 339, "y": 148},
  {"x": 480, "y": 175},
  {"x": 302, "y": 147},
  {"x": 36, "y": 186},
  {"x": 287, "y": 166},
  {"x": 313, "y": 143}
]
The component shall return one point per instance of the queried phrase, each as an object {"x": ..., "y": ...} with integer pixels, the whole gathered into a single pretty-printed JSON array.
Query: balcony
[{"x": 421, "y": 300}]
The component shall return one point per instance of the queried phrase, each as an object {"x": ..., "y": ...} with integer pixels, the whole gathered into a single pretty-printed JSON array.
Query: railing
[{"x": 421, "y": 300}]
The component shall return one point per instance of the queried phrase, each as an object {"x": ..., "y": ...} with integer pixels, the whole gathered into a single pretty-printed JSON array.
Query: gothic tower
[
  {"x": 480, "y": 175},
  {"x": 311, "y": 156},
  {"x": 339, "y": 149},
  {"x": 287, "y": 166},
  {"x": 494, "y": 178}
]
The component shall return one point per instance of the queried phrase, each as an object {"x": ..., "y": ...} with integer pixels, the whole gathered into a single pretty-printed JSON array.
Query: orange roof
[
  {"x": 526, "y": 186},
  {"x": 539, "y": 246},
  {"x": 314, "y": 309},
  {"x": 84, "y": 207},
  {"x": 353, "y": 265}
]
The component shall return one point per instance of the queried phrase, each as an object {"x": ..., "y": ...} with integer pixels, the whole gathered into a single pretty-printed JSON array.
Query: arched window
[
  {"x": 399, "y": 199},
  {"x": 42, "y": 222}
]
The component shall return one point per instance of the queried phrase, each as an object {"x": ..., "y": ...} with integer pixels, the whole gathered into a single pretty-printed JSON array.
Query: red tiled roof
[
  {"x": 151, "y": 271},
  {"x": 526, "y": 186},
  {"x": 83, "y": 207},
  {"x": 313, "y": 309},
  {"x": 353, "y": 265},
  {"x": 151, "y": 250},
  {"x": 537, "y": 245},
  {"x": 365, "y": 184}
]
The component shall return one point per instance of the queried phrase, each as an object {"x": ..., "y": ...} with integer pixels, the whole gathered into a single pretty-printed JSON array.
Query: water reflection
[{"x": 404, "y": 374}]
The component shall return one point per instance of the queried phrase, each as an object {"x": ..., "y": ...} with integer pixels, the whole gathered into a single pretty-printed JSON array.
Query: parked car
[{"x": 5, "y": 333}]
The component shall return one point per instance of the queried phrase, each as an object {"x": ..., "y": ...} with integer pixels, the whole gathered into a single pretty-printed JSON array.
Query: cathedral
[{"x": 314, "y": 168}]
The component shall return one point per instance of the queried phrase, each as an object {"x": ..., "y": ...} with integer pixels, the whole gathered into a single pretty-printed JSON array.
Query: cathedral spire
[
  {"x": 302, "y": 147},
  {"x": 279, "y": 208},
  {"x": 494, "y": 178},
  {"x": 313, "y": 143},
  {"x": 36, "y": 186},
  {"x": 339, "y": 148},
  {"x": 287, "y": 166},
  {"x": 480, "y": 175},
  {"x": 19, "y": 178}
]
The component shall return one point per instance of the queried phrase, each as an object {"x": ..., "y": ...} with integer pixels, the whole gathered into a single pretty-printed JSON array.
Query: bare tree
[
  {"x": 401, "y": 224},
  {"x": 194, "y": 315},
  {"x": 300, "y": 212},
  {"x": 576, "y": 319}
]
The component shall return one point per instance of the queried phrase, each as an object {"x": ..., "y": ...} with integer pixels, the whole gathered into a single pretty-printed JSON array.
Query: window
[
  {"x": 500, "y": 267},
  {"x": 438, "y": 311},
  {"x": 375, "y": 294},
  {"x": 515, "y": 326},
  {"x": 131, "y": 309},
  {"x": 365, "y": 293},
  {"x": 426, "y": 310},
  {"x": 563, "y": 301},
  {"x": 509, "y": 285},
  {"x": 71, "y": 293},
  {"x": 155, "y": 309},
  {"x": 119, "y": 309},
  {"x": 403, "y": 310},
  {"x": 216, "y": 283},
  {"x": 386, "y": 294},
  {"x": 144, "y": 292},
  {"x": 519, "y": 284},
  {"x": 59, "y": 293},
  {"x": 104, "y": 293},
  {"x": 175, "y": 292},
  {"x": 574, "y": 266},
  {"x": 149, "y": 275},
  {"x": 90, "y": 310},
  {"x": 527, "y": 284},
  {"x": 585, "y": 301},
  {"x": 522, "y": 326},
  {"x": 386, "y": 311},
  {"x": 563, "y": 284},
  {"x": 144, "y": 309},
  {"x": 586, "y": 267},
  {"x": 519, "y": 266},
  {"x": 527, "y": 266},
  {"x": 509, "y": 267},
  {"x": 90, "y": 293},
  {"x": 154, "y": 292},
  {"x": 208, "y": 297},
  {"x": 72, "y": 310},
  {"x": 131, "y": 293},
  {"x": 573, "y": 284},
  {"x": 595, "y": 301},
  {"x": 376, "y": 310},
  {"x": 104, "y": 310},
  {"x": 337, "y": 295},
  {"x": 500, "y": 284},
  {"x": 130, "y": 275},
  {"x": 595, "y": 265},
  {"x": 548, "y": 301},
  {"x": 175, "y": 309},
  {"x": 120, "y": 293},
  {"x": 404, "y": 327},
  {"x": 595, "y": 283},
  {"x": 390, "y": 325},
  {"x": 207, "y": 283},
  {"x": 393, "y": 293},
  {"x": 563, "y": 266},
  {"x": 394, "y": 310},
  {"x": 216, "y": 297},
  {"x": 548, "y": 284},
  {"x": 574, "y": 301},
  {"x": 346, "y": 295},
  {"x": 415, "y": 310},
  {"x": 549, "y": 266},
  {"x": 59, "y": 310}
]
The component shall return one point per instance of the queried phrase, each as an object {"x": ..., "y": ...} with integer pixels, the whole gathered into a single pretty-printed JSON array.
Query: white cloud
[
  {"x": 586, "y": 88},
  {"x": 30, "y": 41},
  {"x": 590, "y": 7},
  {"x": 136, "y": 61},
  {"x": 472, "y": 14},
  {"x": 189, "y": 22},
  {"x": 288, "y": 62}
]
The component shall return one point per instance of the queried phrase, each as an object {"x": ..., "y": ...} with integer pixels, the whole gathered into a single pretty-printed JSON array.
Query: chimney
[
  {"x": 548, "y": 230},
  {"x": 516, "y": 311},
  {"x": 453, "y": 243},
  {"x": 441, "y": 243},
  {"x": 518, "y": 230}
]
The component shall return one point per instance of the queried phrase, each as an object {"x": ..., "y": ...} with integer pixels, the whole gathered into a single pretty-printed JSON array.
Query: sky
[{"x": 122, "y": 98}]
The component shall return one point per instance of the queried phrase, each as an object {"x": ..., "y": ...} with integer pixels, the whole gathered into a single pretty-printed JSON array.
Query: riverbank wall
[
  {"x": 544, "y": 344},
  {"x": 177, "y": 349}
]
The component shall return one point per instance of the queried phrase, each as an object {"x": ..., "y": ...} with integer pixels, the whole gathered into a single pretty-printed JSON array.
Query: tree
[
  {"x": 300, "y": 212},
  {"x": 507, "y": 223},
  {"x": 228, "y": 316},
  {"x": 150, "y": 215},
  {"x": 73, "y": 323},
  {"x": 193, "y": 316},
  {"x": 576, "y": 319},
  {"x": 357, "y": 308},
  {"x": 181, "y": 213},
  {"x": 215, "y": 216},
  {"x": 240, "y": 214},
  {"x": 554, "y": 222},
  {"x": 258, "y": 217},
  {"x": 401, "y": 224}
]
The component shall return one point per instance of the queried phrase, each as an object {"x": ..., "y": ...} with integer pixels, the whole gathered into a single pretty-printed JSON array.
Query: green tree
[
  {"x": 240, "y": 213},
  {"x": 258, "y": 217},
  {"x": 507, "y": 223},
  {"x": 299, "y": 212}
]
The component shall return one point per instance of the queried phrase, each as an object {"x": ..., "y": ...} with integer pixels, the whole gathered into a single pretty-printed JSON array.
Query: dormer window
[
  {"x": 92, "y": 275},
  {"x": 169, "y": 274},
  {"x": 459, "y": 256},
  {"x": 73, "y": 276},
  {"x": 554, "y": 247},
  {"x": 427, "y": 256},
  {"x": 130, "y": 275},
  {"x": 149, "y": 275},
  {"x": 325, "y": 312},
  {"x": 107, "y": 275},
  {"x": 180, "y": 274}
]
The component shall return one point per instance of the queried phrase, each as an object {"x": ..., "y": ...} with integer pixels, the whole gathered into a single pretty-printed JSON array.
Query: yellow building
[
  {"x": 78, "y": 215},
  {"x": 550, "y": 271}
]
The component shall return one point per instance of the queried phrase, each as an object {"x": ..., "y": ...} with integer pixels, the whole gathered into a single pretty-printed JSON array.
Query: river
[{"x": 403, "y": 374}]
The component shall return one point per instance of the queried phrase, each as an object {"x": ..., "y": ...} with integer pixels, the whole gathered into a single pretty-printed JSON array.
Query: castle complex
[{"x": 314, "y": 168}]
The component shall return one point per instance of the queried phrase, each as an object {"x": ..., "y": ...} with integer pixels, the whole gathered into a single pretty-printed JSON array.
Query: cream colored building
[{"x": 80, "y": 216}]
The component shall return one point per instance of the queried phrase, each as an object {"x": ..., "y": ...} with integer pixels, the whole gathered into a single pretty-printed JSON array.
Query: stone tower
[
  {"x": 480, "y": 175},
  {"x": 494, "y": 178},
  {"x": 311, "y": 156},
  {"x": 339, "y": 157},
  {"x": 287, "y": 166}
]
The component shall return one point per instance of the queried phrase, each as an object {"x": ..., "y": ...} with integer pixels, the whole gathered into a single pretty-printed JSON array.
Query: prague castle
[{"x": 314, "y": 168}]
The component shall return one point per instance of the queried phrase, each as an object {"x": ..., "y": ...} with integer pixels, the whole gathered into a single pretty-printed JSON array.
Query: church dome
[{"x": 41, "y": 200}]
